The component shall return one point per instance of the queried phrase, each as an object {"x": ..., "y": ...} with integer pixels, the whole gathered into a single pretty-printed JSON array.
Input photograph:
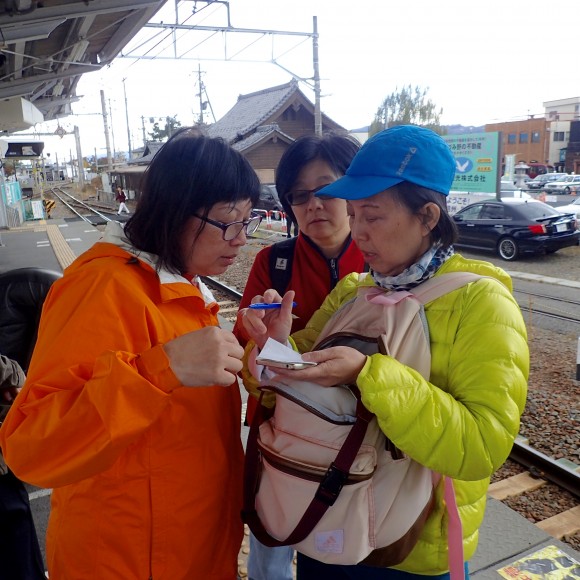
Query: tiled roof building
[
  {"x": 263, "y": 124},
  {"x": 260, "y": 125}
]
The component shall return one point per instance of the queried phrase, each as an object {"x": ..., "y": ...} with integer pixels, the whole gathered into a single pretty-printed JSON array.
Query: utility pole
[
  {"x": 106, "y": 124},
  {"x": 3, "y": 212},
  {"x": 81, "y": 168},
  {"x": 112, "y": 129},
  {"x": 203, "y": 105},
  {"x": 143, "y": 128},
  {"x": 127, "y": 118},
  {"x": 200, "y": 94},
  {"x": 317, "y": 113}
]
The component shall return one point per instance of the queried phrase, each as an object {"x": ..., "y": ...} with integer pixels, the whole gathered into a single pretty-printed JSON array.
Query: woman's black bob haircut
[
  {"x": 187, "y": 176},
  {"x": 415, "y": 197},
  {"x": 335, "y": 149}
]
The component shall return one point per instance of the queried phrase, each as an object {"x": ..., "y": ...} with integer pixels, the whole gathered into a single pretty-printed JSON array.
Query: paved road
[{"x": 564, "y": 264}]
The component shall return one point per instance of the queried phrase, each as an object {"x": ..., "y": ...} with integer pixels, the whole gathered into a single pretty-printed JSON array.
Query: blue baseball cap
[{"x": 402, "y": 153}]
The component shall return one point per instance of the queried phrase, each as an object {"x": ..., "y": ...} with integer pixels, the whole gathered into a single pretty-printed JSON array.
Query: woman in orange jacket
[{"x": 131, "y": 410}]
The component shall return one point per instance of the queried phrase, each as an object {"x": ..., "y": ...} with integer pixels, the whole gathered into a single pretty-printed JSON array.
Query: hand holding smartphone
[
  {"x": 284, "y": 365},
  {"x": 277, "y": 355}
]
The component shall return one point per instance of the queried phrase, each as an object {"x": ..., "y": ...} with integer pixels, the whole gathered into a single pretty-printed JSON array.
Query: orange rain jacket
[{"x": 147, "y": 473}]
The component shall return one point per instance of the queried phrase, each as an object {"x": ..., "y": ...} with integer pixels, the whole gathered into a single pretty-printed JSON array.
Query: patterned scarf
[{"x": 420, "y": 271}]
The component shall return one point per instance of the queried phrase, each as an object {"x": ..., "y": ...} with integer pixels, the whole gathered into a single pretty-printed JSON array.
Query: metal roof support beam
[
  {"x": 46, "y": 104},
  {"x": 119, "y": 39},
  {"x": 80, "y": 9},
  {"x": 28, "y": 85},
  {"x": 19, "y": 59}
]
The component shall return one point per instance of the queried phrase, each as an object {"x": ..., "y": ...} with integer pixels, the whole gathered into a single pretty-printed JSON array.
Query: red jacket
[
  {"x": 147, "y": 473},
  {"x": 313, "y": 277}
]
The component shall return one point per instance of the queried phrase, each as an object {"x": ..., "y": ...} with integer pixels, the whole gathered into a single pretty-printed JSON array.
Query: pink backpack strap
[
  {"x": 454, "y": 533},
  {"x": 443, "y": 284}
]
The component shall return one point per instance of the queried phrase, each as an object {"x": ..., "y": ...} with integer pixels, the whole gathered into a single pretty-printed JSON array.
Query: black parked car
[
  {"x": 269, "y": 199},
  {"x": 512, "y": 227}
]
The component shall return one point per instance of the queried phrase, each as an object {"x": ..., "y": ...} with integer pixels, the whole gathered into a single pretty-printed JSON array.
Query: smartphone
[{"x": 284, "y": 365}]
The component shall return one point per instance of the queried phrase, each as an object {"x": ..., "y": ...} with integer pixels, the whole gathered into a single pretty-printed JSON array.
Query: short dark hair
[
  {"x": 188, "y": 175},
  {"x": 415, "y": 197},
  {"x": 335, "y": 149}
]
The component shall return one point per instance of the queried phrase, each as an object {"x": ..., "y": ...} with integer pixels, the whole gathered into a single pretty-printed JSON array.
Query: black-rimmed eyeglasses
[
  {"x": 232, "y": 230},
  {"x": 301, "y": 196}
]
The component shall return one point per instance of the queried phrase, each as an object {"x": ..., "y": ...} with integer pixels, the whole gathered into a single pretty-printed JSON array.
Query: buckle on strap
[{"x": 331, "y": 485}]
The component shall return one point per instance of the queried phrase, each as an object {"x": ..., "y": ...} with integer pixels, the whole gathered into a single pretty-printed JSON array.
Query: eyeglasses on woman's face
[
  {"x": 232, "y": 230},
  {"x": 302, "y": 196}
]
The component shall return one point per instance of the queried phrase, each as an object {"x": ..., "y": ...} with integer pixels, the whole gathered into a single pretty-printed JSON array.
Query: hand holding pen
[
  {"x": 269, "y": 316},
  {"x": 268, "y": 306}
]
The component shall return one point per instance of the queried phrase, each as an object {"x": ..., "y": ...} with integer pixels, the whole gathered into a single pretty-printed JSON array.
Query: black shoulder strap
[{"x": 280, "y": 264}]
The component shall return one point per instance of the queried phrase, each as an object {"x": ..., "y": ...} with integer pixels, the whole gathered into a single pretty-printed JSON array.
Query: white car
[
  {"x": 508, "y": 189},
  {"x": 573, "y": 207},
  {"x": 566, "y": 185}
]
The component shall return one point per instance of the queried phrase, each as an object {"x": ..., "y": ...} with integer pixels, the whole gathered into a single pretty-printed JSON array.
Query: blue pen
[{"x": 264, "y": 306}]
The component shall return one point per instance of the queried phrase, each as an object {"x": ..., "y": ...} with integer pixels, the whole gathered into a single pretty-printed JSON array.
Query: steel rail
[
  {"x": 84, "y": 218},
  {"x": 83, "y": 204},
  {"x": 545, "y": 296},
  {"x": 221, "y": 286},
  {"x": 549, "y": 314},
  {"x": 543, "y": 466}
]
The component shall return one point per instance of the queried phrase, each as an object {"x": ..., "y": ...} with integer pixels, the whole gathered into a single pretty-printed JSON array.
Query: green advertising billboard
[{"x": 477, "y": 161}]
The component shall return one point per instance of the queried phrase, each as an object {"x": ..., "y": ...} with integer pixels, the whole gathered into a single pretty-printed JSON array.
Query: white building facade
[{"x": 559, "y": 115}]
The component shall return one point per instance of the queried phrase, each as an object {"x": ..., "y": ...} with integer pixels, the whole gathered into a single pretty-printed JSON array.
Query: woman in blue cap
[{"x": 462, "y": 421}]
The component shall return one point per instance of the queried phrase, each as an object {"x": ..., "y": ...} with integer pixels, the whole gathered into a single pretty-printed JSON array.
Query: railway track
[
  {"x": 72, "y": 203},
  {"x": 554, "y": 307},
  {"x": 537, "y": 470}
]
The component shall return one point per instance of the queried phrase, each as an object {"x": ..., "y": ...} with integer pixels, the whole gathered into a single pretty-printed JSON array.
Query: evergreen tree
[
  {"x": 159, "y": 134},
  {"x": 408, "y": 106}
]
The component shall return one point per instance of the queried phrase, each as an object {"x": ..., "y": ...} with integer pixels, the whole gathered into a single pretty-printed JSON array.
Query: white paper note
[{"x": 273, "y": 350}]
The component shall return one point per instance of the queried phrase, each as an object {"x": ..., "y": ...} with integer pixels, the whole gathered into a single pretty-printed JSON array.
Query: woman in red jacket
[
  {"x": 131, "y": 410},
  {"x": 320, "y": 256}
]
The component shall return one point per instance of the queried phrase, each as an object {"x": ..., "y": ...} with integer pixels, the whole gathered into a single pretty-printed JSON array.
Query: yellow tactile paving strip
[{"x": 62, "y": 251}]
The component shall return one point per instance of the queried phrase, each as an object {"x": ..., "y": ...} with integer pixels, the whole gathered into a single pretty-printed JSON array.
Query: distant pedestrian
[{"x": 121, "y": 198}]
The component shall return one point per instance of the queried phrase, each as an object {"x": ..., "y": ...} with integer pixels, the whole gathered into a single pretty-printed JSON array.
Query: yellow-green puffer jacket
[{"x": 462, "y": 423}]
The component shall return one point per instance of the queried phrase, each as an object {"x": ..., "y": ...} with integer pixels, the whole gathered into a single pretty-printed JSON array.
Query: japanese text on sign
[{"x": 476, "y": 161}]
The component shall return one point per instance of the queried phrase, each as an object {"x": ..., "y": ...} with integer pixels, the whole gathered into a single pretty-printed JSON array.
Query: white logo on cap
[{"x": 403, "y": 166}]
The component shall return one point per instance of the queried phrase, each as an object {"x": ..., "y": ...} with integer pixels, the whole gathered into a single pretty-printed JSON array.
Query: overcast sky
[{"x": 482, "y": 62}]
